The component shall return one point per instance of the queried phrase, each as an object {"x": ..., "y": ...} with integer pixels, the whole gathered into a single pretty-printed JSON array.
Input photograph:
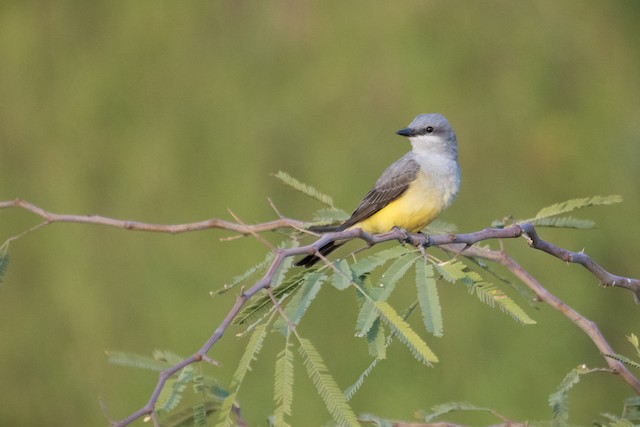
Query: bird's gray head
[{"x": 431, "y": 133}]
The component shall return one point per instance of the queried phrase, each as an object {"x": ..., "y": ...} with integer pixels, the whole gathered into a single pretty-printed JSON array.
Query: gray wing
[{"x": 393, "y": 182}]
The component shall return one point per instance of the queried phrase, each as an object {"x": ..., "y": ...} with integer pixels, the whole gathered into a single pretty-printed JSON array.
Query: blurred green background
[{"x": 172, "y": 112}]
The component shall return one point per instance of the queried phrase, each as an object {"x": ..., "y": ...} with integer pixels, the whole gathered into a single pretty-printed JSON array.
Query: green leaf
[
  {"x": 353, "y": 388},
  {"x": 446, "y": 408},
  {"x": 327, "y": 388},
  {"x": 263, "y": 303},
  {"x": 405, "y": 334},
  {"x": 199, "y": 415},
  {"x": 342, "y": 278},
  {"x": 631, "y": 408},
  {"x": 388, "y": 280},
  {"x": 283, "y": 385},
  {"x": 376, "y": 340},
  {"x": 564, "y": 222},
  {"x": 623, "y": 359},
  {"x": 368, "y": 264},
  {"x": 300, "y": 302},
  {"x": 574, "y": 204},
  {"x": 171, "y": 393},
  {"x": 633, "y": 339},
  {"x": 244, "y": 365},
  {"x": 4, "y": 262},
  {"x": 394, "y": 273},
  {"x": 559, "y": 400},
  {"x": 490, "y": 295},
  {"x": 329, "y": 216},
  {"x": 428, "y": 298},
  {"x": 136, "y": 361},
  {"x": 452, "y": 271},
  {"x": 440, "y": 227},
  {"x": 304, "y": 188}
]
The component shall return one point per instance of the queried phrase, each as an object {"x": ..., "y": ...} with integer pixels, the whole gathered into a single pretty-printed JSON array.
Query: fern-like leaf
[
  {"x": 342, "y": 278},
  {"x": 368, "y": 264},
  {"x": 390, "y": 277},
  {"x": 171, "y": 393},
  {"x": 301, "y": 301},
  {"x": 428, "y": 298},
  {"x": 574, "y": 204},
  {"x": 490, "y": 295},
  {"x": 326, "y": 386},
  {"x": 456, "y": 270},
  {"x": 136, "y": 361},
  {"x": 446, "y": 408},
  {"x": 631, "y": 408},
  {"x": 329, "y": 216},
  {"x": 199, "y": 415},
  {"x": 263, "y": 303},
  {"x": 283, "y": 385},
  {"x": 405, "y": 334},
  {"x": 440, "y": 227},
  {"x": 4, "y": 262},
  {"x": 633, "y": 339},
  {"x": 623, "y": 359},
  {"x": 248, "y": 273},
  {"x": 563, "y": 222},
  {"x": 304, "y": 188},
  {"x": 376, "y": 340},
  {"x": 353, "y": 388},
  {"x": 244, "y": 365},
  {"x": 394, "y": 273},
  {"x": 559, "y": 400}
]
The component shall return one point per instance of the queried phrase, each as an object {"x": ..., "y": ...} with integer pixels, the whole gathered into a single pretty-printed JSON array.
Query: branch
[
  {"x": 242, "y": 229},
  {"x": 455, "y": 243}
]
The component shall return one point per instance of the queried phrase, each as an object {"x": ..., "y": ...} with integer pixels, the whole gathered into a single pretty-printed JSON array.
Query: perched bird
[{"x": 414, "y": 190}]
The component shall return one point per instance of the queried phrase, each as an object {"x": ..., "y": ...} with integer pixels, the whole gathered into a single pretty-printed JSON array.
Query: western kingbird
[{"x": 414, "y": 190}]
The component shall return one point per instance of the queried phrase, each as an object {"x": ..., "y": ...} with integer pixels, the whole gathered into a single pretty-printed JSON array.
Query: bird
[{"x": 411, "y": 192}]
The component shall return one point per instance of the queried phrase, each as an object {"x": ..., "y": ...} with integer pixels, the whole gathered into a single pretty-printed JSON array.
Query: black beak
[{"x": 406, "y": 132}]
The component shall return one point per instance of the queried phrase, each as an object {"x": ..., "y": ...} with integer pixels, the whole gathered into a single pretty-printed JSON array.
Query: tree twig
[{"x": 455, "y": 243}]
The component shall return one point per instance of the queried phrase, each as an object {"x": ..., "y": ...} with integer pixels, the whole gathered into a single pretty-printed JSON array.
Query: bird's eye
[{"x": 429, "y": 129}]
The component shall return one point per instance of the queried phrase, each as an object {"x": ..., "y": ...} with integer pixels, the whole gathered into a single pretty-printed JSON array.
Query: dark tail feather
[{"x": 309, "y": 260}]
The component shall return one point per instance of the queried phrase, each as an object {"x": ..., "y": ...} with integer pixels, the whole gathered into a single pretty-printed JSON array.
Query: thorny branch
[{"x": 454, "y": 243}]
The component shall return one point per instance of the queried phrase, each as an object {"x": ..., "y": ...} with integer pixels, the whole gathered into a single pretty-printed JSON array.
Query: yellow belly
[{"x": 412, "y": 211}]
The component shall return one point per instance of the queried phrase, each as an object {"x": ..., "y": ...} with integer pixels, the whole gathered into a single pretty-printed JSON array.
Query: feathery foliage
[
  {"x": 342, "y": 278},
  {"x": 633, "y": 339},
  {"x": 623, "y": 359},
  {"x": 405, "y": 334},
  {"x": 244, "y": 365},
  {"x": 327, "y": 388},
  {"x": 4, "y": 262},
  {"x": 376, "y": 340},
  {"x": 329, "y": 216},
  {"x": 631, "y": 408},
  {"x": 559, "y": 400},
  {"x": 491, "y": 295},
  {"x": 368, "y": 264},
  {"x": 283, "y": 385},
  {"x": 299, "y": 303},
  {"x": 304, "y": 188},
  {"x": 136, "y": 361},
  {"x": 240, "y": 278},
  {"x": 428, "y": 298},
  {"x": 171, "y": 393},
  {"x": 564, "y": 222},
  {"x": 569, "y": 206},
  {"x": 388, "y": 280},
  {"x": 263, "y": 303},
  {"x": 446, "y": 408},
  {"x": 353, "y": 388}
]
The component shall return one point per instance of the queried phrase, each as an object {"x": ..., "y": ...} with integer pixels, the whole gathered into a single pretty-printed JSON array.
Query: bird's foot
[{"x": 405, "y": 235}]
